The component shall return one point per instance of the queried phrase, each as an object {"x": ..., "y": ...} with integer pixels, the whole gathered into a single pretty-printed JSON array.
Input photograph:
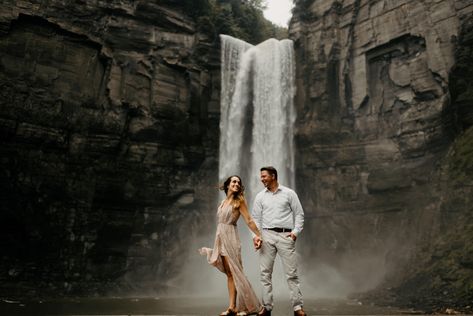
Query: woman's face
[{"x": 235, "y": 185}]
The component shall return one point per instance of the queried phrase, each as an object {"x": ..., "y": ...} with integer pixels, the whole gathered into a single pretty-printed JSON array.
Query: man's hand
[
  {"x": 291, "y": 235},
  {"x": 257, "y": 241}
]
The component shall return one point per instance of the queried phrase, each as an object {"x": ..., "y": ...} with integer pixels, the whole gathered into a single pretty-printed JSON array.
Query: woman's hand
[{"x": 257, "y": 241}]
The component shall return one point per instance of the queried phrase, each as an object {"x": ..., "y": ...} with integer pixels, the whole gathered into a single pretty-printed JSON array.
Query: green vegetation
[
  {"x": 461, "y": 159},
  {"x": 302, "y": 9},
  {"x": 239, "y": 18},
  {"x": 442, "y": 272}
]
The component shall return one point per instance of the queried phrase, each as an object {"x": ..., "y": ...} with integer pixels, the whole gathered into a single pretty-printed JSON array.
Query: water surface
[{"x": 180, "y": 306}]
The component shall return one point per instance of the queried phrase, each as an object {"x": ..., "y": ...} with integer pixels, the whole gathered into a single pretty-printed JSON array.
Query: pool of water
[{"x": 180, "y": 306}]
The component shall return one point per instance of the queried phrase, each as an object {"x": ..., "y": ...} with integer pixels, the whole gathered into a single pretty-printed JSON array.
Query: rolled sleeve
[{"x": 296, "y": 207}]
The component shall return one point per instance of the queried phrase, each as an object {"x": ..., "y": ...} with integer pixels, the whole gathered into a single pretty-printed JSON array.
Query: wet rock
[
  {"x": 383, "y": 100},
  {"x": 104, "y": 118}
]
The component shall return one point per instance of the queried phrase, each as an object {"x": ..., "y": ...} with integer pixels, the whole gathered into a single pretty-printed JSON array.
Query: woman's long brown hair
[{"x": 237, "y": 197}]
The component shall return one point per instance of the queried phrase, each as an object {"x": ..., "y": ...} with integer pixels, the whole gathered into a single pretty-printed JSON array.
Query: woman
[{"x": 226, "y": 254}]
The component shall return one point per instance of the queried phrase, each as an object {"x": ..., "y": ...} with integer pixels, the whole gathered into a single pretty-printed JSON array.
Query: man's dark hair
[{"x": 271, "y": 170}]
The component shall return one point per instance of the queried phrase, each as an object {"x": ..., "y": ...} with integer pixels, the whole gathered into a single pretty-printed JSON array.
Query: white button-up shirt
[{"x": 281, "y": 209}]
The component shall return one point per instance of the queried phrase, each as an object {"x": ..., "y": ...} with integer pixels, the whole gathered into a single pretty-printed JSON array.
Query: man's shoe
[
  {"x": 264, "y": 312},
  {"x": 300, "y": 312}
]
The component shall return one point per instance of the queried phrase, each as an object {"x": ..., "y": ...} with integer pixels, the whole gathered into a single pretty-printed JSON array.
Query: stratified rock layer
[
  {"x": 375, "y": 129},
  {"x": 109, "y": 144}
]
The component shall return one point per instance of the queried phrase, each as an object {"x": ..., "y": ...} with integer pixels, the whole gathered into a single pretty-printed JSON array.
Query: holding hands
[{"x": 257, "y": 241}]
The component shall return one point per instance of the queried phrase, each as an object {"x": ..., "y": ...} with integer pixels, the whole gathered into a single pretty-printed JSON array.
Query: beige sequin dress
[{"x": 227, "y": 243}]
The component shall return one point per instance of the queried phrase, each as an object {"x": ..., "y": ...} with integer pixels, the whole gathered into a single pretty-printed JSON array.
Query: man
[{"x": 278, "y": 214}]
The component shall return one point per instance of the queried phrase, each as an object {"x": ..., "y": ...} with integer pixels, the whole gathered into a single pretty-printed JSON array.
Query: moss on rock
[{"x": 460, "y": 162}]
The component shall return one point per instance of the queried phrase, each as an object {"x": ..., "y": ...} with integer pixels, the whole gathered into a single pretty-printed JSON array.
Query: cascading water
[
  {"x": 231, "y": 114},
  {"x": 257, "y": 111}
]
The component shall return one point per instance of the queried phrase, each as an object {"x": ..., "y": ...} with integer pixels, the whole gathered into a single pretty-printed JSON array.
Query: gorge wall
[
  {"x": 384, "y": 145},
  {"x": 109, "y": 116}
]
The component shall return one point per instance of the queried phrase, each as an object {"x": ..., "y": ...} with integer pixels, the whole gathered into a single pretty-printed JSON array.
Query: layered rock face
[
  {"x": 376, "y": 141},
  {"x": 109, "y": 125}
]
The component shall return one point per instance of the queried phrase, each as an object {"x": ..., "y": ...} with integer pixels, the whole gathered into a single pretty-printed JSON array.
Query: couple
[{"x": 278, "y": 219}]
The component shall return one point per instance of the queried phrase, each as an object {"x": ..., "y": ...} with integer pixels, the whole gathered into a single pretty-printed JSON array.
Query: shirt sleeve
[
  {"x": 298, "y": 214},
  {"x": 257, "y": 213}
]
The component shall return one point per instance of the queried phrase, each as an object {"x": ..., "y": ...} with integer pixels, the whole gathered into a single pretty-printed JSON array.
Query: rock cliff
[
  {"x": 109, "y": 114},
  {"x": 384, "y": 144},
  {"x": 109, "y": 118}
]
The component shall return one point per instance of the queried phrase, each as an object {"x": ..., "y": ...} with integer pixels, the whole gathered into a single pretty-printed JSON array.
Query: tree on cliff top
[{"x": 243, "y": 19}]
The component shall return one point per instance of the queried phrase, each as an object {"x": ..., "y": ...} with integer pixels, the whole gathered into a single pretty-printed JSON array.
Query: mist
[{"x": 320, "y": 279}]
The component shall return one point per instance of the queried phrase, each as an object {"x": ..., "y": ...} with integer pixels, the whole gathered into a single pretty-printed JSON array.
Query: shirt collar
[{"x": 278, "y": 189}]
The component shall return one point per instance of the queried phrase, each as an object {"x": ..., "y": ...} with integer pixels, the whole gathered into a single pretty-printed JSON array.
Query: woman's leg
[{"x": 231, "y": 284}]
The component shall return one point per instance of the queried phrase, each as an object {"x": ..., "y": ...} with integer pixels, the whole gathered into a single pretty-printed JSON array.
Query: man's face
[{"x": 266, "y": 178}]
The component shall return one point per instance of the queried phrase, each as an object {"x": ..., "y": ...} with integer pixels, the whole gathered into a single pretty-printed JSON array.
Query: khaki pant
[{"x": 278, "y": 243}]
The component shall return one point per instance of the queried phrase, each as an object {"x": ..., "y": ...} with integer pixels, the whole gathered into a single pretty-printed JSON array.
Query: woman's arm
[{"x": 248, "y": 219}]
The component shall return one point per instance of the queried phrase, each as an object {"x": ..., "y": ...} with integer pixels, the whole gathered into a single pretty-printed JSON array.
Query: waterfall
[
  {"x": 257, "y": 111},
  {"x": 231, "y": 117}
]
